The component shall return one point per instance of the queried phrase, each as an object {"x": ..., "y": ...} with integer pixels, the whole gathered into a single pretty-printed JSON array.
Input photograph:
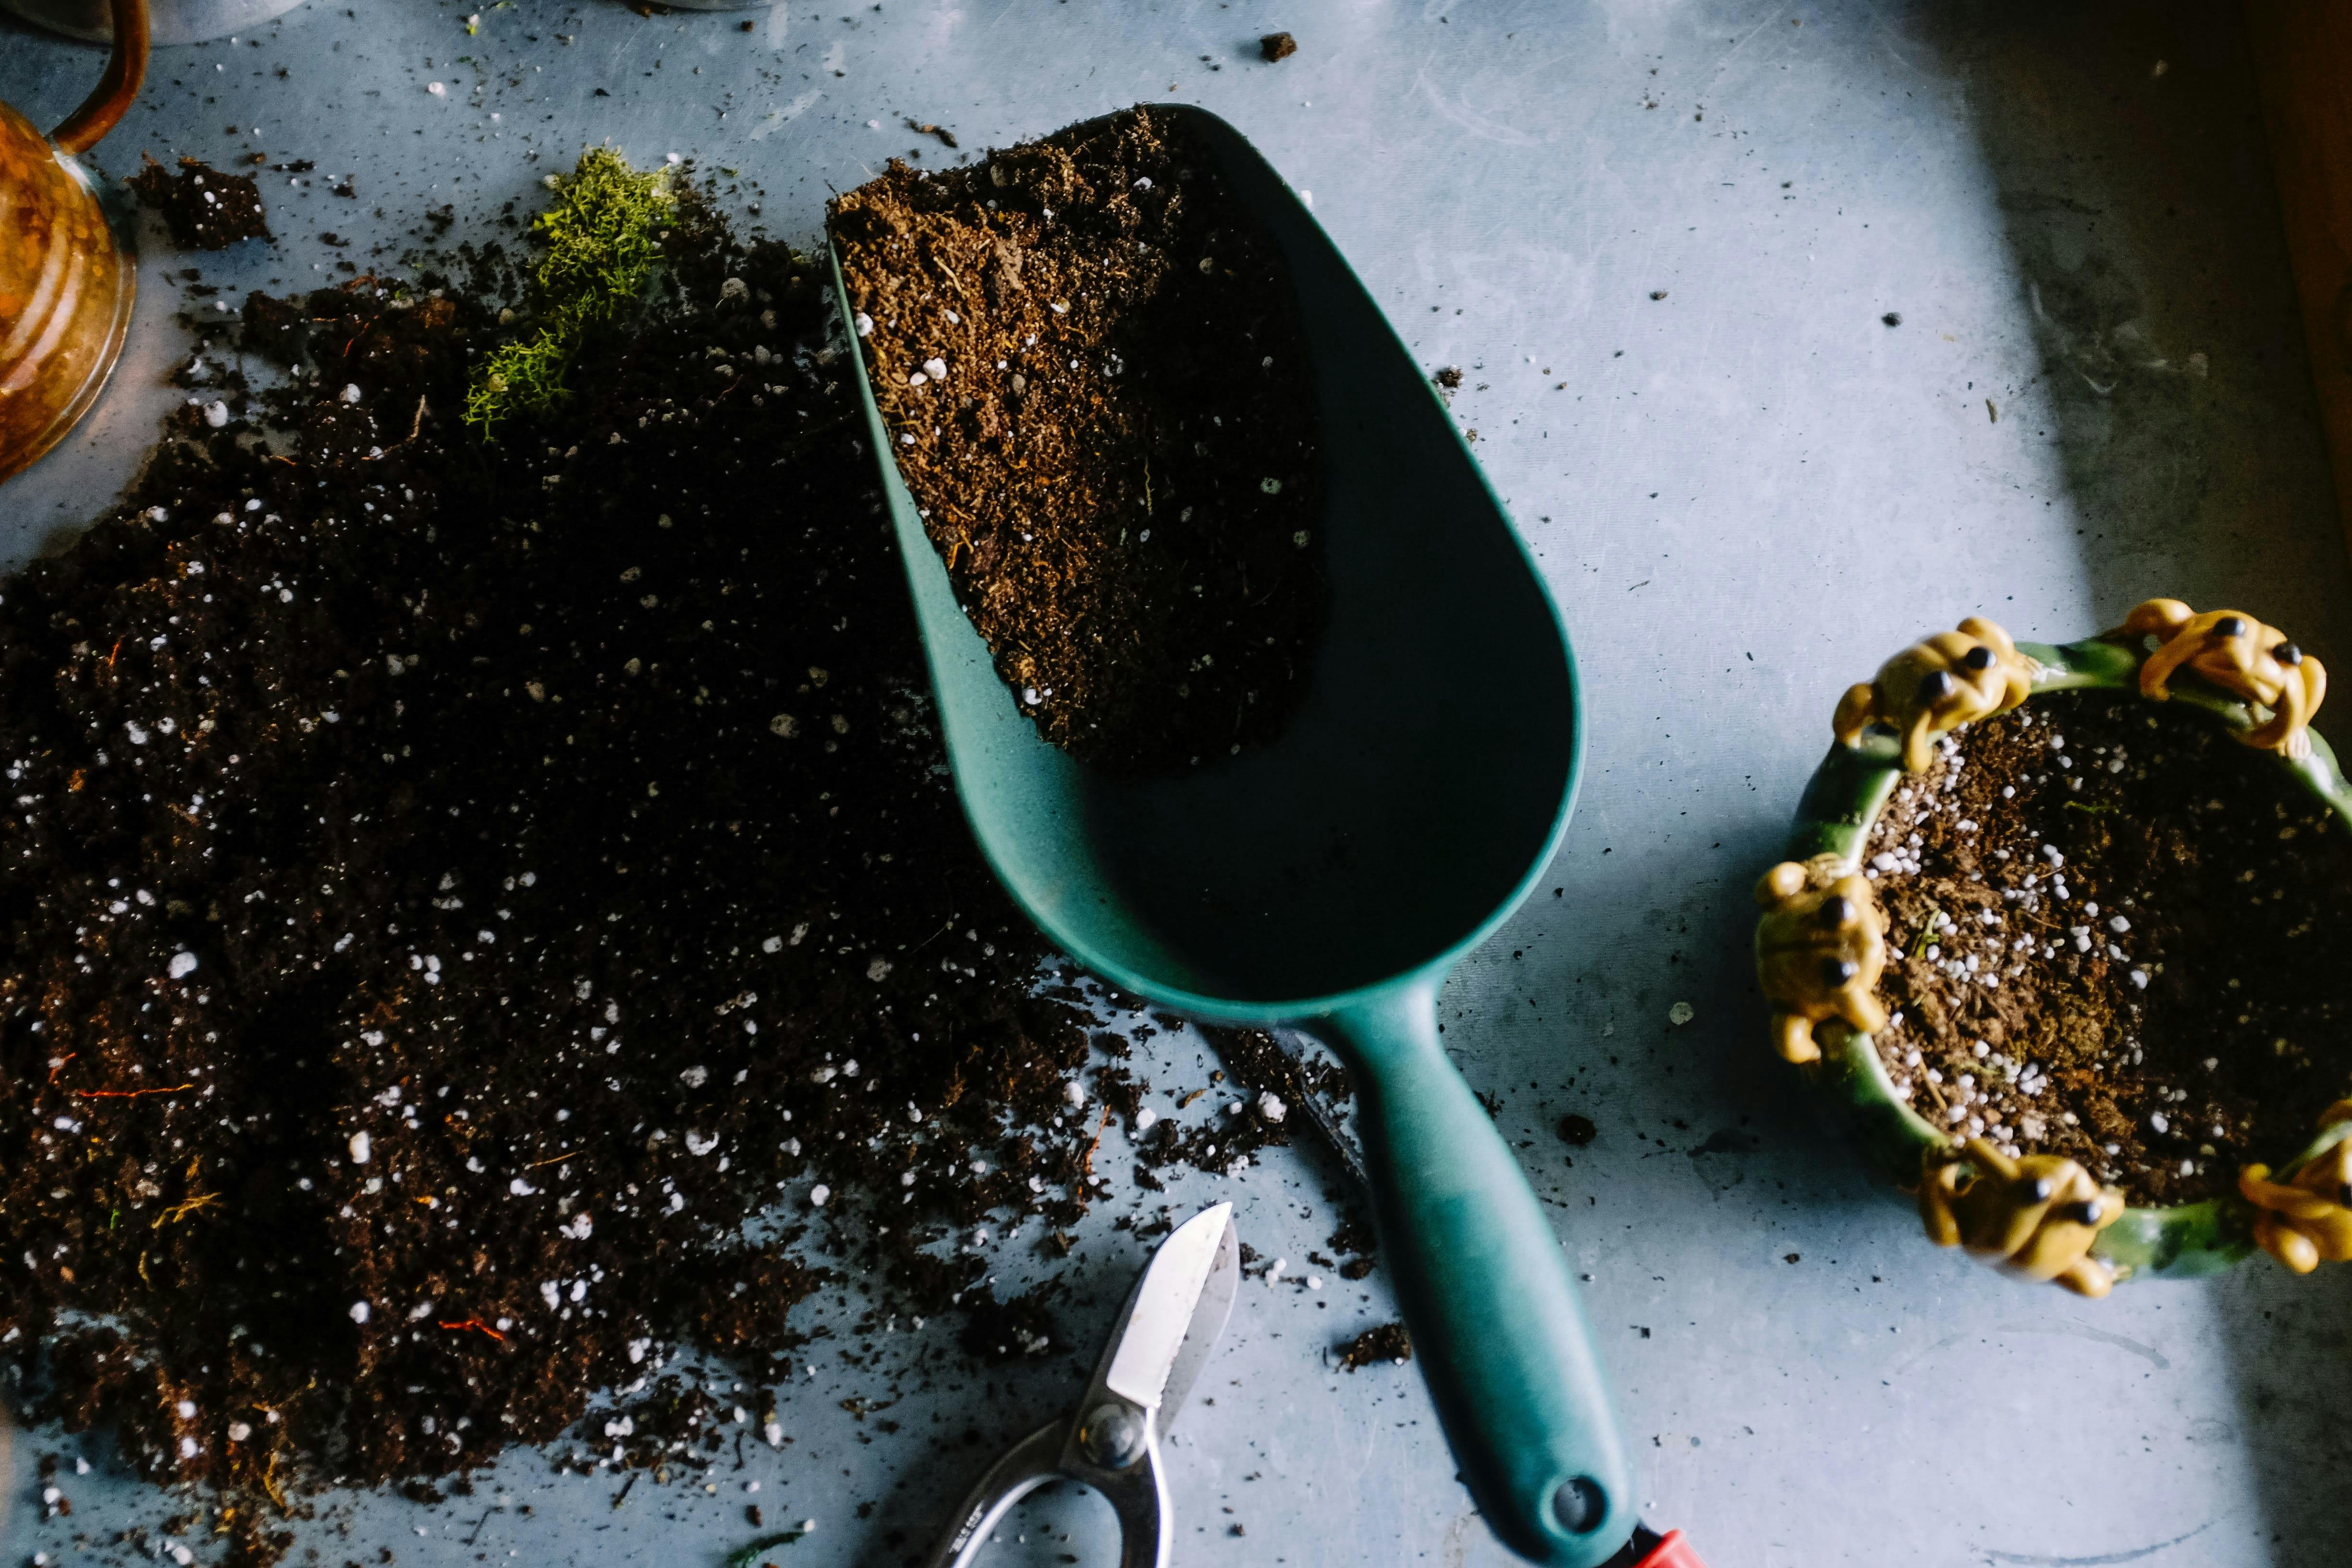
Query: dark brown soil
[
  {"x": 2139, "y": 970},
  {"x": 1089, "y": 363},
  {"x": 451, "y": 887},
  {"x": 1387, "y": 1345},
  {"x": 1276, "y": 46},
  {"x": 204, "y": 208}
]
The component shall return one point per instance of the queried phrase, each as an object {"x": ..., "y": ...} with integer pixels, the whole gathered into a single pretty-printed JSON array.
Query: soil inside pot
[
  {"x": 2112, "y": 935},
  {"x": 1090, "y": 360}
]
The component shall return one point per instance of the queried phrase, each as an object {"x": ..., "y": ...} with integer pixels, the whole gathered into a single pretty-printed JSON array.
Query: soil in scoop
[
  {"x": 2116, "y": 928},
  {"x": 1089, "y": 362},
  {"x": 204, "y": 208},
  {"x": 450, "y": 888}
]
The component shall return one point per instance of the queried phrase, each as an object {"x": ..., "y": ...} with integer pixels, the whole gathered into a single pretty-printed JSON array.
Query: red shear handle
[{"x": 1671, "y": 1552}]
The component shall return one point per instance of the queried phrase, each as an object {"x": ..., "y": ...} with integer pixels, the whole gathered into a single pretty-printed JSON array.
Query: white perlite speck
[
  {"x": 1681, "y": 1013},
  {"x": 1270, "y": 1106},
  {"x": 937, "y": 369},
  {"x": 183, "y": 966},
  {"x": 820, "y": 1196},
  {"x": 361, "y": 1146},
  {"x": 359, "y": 1311}
]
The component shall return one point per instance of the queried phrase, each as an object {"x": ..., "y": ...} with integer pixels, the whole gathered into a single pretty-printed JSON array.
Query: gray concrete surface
[{"x": 1748, "y": 492}]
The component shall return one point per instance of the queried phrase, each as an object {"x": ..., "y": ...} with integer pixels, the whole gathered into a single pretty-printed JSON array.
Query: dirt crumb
[
  {"x": 1387, "y": 1343},
  {"x": 204, "y": 208}
]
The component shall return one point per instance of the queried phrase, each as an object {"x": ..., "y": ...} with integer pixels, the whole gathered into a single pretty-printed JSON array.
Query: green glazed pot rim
[{"x": 1841, "y": 805}]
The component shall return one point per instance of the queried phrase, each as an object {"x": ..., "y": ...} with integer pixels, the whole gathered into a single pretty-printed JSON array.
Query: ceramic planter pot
[{"x": 2305, "y": 1212}]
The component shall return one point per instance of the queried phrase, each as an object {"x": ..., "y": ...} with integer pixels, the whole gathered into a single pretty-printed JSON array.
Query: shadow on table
[
  {"x": 2125, "y": 144},
  {"x": 2290, "y": 1345}
]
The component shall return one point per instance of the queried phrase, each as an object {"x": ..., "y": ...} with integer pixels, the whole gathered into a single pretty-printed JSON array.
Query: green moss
[{"x": 600, "y": 250}]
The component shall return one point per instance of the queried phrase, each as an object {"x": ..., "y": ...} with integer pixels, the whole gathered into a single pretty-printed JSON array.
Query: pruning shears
[{"x": 1111, "y": 1440}]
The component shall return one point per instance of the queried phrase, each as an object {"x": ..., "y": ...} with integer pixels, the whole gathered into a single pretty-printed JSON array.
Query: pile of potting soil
[
  {"x": 1089, "y": 357},
  {"x": 2109, "y": 927},
  {"x": 453, "y": 888}
]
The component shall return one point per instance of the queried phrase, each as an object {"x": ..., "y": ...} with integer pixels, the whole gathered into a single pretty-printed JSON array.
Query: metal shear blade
[{"x": 1111, "y": 1441}]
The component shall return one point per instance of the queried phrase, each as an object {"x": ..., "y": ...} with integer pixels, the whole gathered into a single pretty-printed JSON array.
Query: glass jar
[{"x": 66, "y": 285}]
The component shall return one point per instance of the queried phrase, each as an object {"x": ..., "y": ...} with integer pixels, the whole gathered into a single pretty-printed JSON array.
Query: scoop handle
[{"x": 1485, "y": 1291}]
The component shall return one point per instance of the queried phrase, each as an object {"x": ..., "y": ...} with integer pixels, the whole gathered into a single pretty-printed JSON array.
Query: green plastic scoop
[{"x": 1330, "y": 880}]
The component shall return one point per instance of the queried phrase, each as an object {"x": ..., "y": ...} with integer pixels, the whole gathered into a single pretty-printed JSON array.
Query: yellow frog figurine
[
  {"x": 2306, "y": 1220},
  {"x": 2034, "y": 1217},
  {"x": 1937, "y": 685},
  {"x": 2252, "y": 662},
  {"x": 1821, "y": 945}
]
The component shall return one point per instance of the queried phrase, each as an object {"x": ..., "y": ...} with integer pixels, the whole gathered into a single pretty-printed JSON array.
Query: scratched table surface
[{"x": 1669, "y": 244}]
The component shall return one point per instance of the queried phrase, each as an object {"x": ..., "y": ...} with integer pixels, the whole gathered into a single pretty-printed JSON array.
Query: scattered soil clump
[
  {"x": 1088, "y": 359},
  {"x": 474, "y": 908},
  {"x": 1388, "y": 1343},
  {"x": 1276, "y": 46},
  {"x": 2107, "y": 928},
  {"x": 204, "y": 208}
]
